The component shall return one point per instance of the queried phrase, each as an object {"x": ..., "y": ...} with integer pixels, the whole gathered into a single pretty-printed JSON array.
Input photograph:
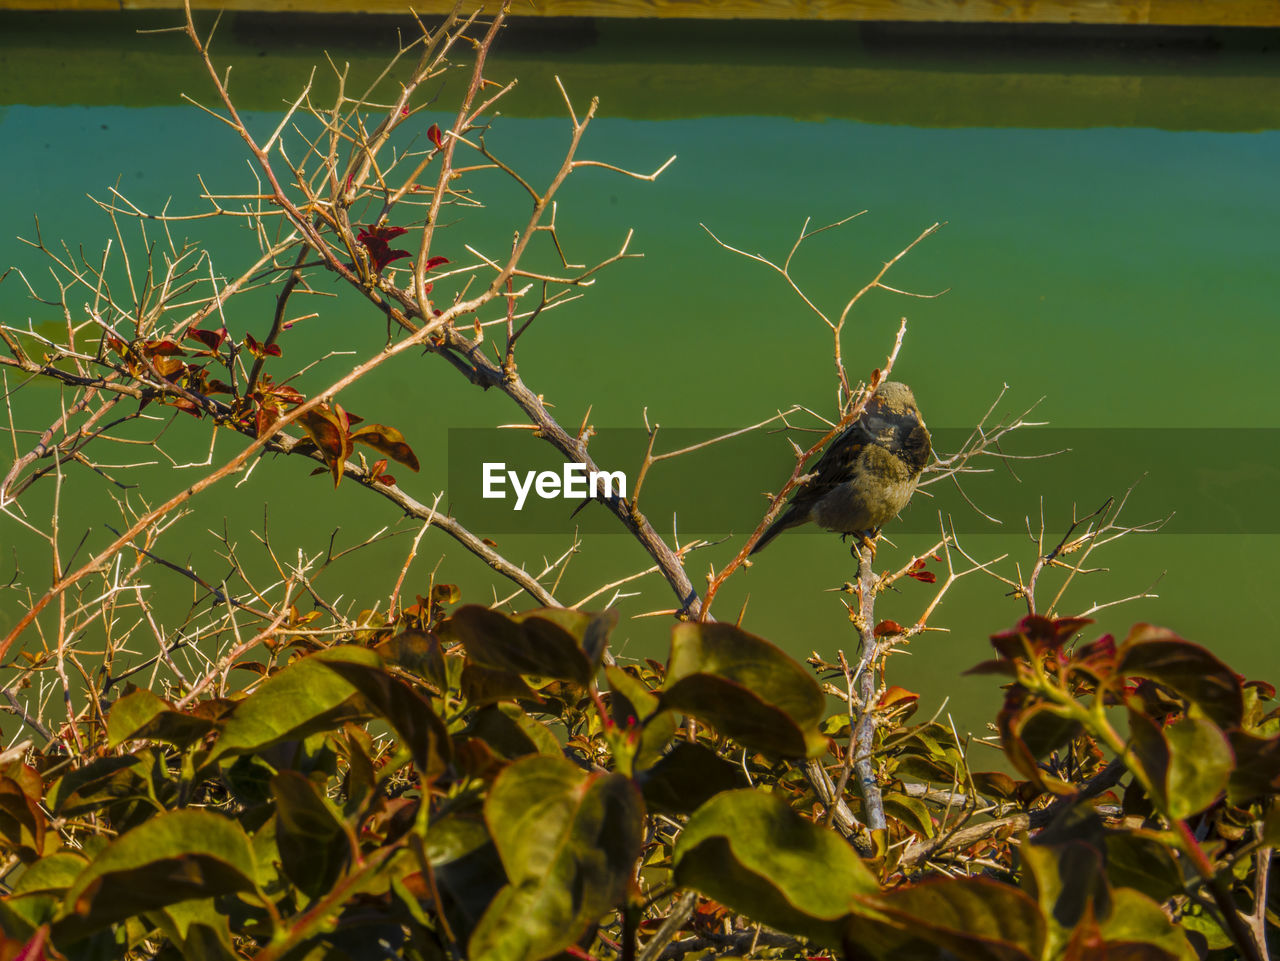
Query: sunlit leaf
[
  {"x": 329, "y": 432},
  {"x": 141, "y": 714},
  {"x": 172, "y": 857},
  {"x": 386, "y": 440},
  {"x": 750, "y": 851},
  {"x": 564, "y": 645},
  {"x": 1189, "y": 669},
  {"x": 1137, "y": 919},
  {"x": 1200, "y": 765},
  {"x": 632, "y": 703},
  {"x": 305, "y": 697},
  {"x": 568, "y": 842},
  {"x": 975, "y": 919},
  {"x": 746, "y": 688},
  {"x": 412, "y": 716}
]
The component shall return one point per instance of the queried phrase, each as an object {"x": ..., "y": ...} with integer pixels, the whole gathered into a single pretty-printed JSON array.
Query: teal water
[{"x": 1126, "y": 274}]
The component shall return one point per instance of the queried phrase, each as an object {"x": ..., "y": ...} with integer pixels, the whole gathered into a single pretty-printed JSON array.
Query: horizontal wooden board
[{"x": 1119, "y": 12}]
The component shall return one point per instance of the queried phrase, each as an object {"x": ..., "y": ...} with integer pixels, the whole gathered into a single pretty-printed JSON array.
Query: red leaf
[
  {"x": 386, "y": 479},
  {"x": 375, "y": 239},
  {"x": 160, "y": 348},
  {"x": 1102, "y": 650},
  {"x": 259, "y": 349},
  {"x": 286, "y": 393},
  {"x": 212, "y": 339},
  {"x": 887, "y": 627},
  {"x": 433, "y": 134},
  {"x": 436, "y": 262},
  {"x": 1042, "y": 633},
  {"x": 917, "y": 571}
]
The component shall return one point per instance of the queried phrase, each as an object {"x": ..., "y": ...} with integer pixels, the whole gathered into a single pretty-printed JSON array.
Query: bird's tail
[{"x": 791, "y": 517}]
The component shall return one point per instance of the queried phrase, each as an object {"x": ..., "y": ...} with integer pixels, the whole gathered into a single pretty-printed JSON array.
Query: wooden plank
[{"x": 1116, "y": 12}]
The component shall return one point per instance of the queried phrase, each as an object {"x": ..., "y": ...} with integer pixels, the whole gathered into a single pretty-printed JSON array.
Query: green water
[{"x": 1110, "y": 246}]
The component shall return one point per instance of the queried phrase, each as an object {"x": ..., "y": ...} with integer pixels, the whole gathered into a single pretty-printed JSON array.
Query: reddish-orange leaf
[
  {"x": 897, "y": 695},
  {"x": 161, "y": 348},
  {"x": 433, "y": 134},
  {"x": 328, "y": 431},
  {"x": 887, "y": 627},
  {"x": 389, "y": 441}
]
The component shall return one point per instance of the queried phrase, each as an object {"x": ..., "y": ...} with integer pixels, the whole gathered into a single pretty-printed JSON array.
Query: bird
[{"x": 867, "y": 475}]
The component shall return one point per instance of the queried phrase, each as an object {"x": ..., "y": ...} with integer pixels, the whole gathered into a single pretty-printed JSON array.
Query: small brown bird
[{"x": 868, "y": 473}]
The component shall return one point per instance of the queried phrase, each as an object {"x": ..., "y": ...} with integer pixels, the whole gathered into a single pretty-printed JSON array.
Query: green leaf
[
  {"x": 1136, "y": 918},
  {"x": 746, "y": 688},
  {"x": 630, "y": 700},
  {"x": 512, "y": 733},
  {"x": 454, "y": 836},
  {"x": 589, "y": 631},
  {"x": 551, "y": 643},
  {"x": 1257, "y": 770},
  {"x": 1206, "y": 924},
  {"x": 568, "y": 842},
  {"x": 1068, "y": 882},
  {"x": 305, "y": 697},
  {"x": 750, "y": 851},
  {"x": 198, "y": 929},
  {"x": 142, "y": 714},
  {"x": 912, "y": 812},
  {"x": 54, "y": 872},
  {"x": 421, "y": 730},
  {"x": 1151, "y": 750},
  {"x": 482, "y": 686},
  {"x": 22, "y": 823},
  {"x": 969, "y": 918},
  {"x": 687, "y": 777},
  {"x": 37, "y": 894},
  {"x": 1138, "y": 860},
  {"x": 309, "y": 834},
  {"x": 1189, "y": 669},
  {"x": 99, "y": 783},
  {"x": 1043, "y": 730},
  {"x": 416, "y": 652},
  {"x": 176, "y": 856},
  {"x": 1200, "y": 765}
]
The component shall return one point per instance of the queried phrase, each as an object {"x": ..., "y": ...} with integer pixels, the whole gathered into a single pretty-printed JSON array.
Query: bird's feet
[{"x": 864, "y": 539}]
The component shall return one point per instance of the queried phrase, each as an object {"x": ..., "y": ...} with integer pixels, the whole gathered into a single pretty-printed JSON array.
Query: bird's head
[{"x": 896, "y": 396}]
